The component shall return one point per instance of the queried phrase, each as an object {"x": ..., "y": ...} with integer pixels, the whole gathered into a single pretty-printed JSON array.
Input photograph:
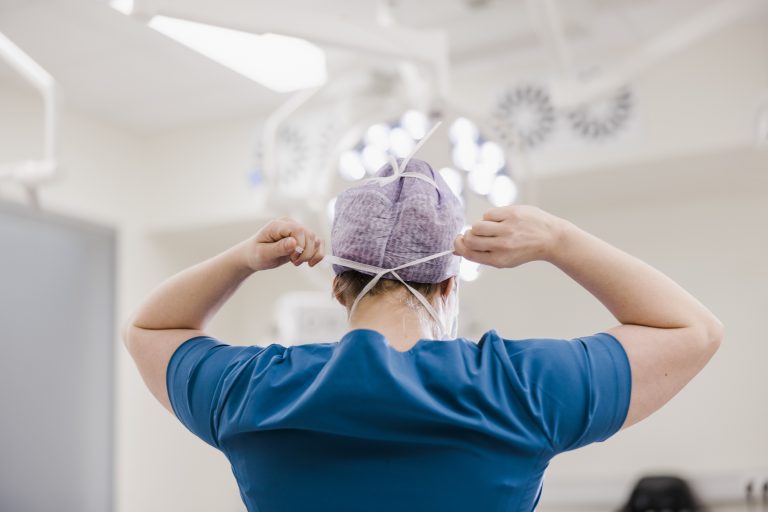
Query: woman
[{"x": 400, "y": 414}]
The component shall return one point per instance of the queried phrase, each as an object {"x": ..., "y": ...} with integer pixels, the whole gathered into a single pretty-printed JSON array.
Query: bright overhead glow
[
  {"x": 453, "y": 178},
  {"x": 465, "y": 155},
  {"x": 124, "y": 6},
  {"x": 351, "y": 166},
  {"x": 503, "y": 191},
  {"x": 415, "y": 123},
  {"x": 468, "y": 270},
  {"x": 463, "y": 130},
  {"x": 373, "y": 159},
  {"x": 481, "y": 179},
  {"x": 378, "y": 135},
  {"x": 492, "y": 155},
  {"x": 279, "y": 62},
  {"x": 401, "y": 142},
  {"x": 330, "y": 209}
]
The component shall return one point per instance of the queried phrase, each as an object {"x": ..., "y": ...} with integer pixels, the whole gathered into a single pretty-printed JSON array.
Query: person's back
[
  {"x": 446, "y": 425},
  {"x": 400, "y": 413}
]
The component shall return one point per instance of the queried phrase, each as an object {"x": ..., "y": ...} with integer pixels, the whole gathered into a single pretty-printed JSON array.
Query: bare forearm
[
  {"x": 633, "y": 291},
  {"x": 192, "y": 297}
]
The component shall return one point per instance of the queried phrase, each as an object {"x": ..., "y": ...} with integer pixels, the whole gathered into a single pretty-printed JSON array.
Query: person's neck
[{"x": 402, "y": 322}]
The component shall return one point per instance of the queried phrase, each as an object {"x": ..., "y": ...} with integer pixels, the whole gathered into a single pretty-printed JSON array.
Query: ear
[
  {"x": 337, "y": 294},
  {"x": 446, "y": 287}
]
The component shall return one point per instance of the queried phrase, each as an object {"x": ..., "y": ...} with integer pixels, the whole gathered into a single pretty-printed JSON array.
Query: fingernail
[{"x": 299, "y": 249}]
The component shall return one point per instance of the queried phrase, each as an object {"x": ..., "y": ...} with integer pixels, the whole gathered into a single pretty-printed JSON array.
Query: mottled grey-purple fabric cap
[{"x": 390, "y": 225}]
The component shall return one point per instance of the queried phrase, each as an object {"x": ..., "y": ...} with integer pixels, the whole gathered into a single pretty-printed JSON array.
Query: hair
[{"x": 348, "y": 285}]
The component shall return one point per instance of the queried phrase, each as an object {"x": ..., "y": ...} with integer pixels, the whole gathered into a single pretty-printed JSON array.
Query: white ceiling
[
  {"x": 117, "y": 67},
  {"x": 114, "y": 65}
]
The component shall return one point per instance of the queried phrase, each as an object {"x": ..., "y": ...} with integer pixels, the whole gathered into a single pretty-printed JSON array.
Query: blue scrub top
[{"x": 358, "y": 426}]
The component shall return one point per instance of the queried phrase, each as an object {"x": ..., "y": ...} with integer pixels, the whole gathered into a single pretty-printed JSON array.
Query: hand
[
  {"x": 283, "y": 240},
  {"x": 510, "y": 236}
]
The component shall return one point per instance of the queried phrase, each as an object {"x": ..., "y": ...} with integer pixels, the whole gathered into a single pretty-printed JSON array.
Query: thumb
[
  {"x": 459, "y": 249},
  {"x": 287, "y": 245},
  {"x": 281, "y": 248}
]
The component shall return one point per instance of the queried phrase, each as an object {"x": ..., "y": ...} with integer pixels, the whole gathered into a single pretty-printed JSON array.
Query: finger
[
  {"x": 299, "y": 233},
  {"x": 497, "y": 214},
  {"x": 487, "y": 228},
  {"x": 319, "y": 253},
  {"x": 461, "y": 249},
  {"x": 480, "y": 243},
  {"x": 309, "y": 249},
  {"x": 279, "y": 229}
]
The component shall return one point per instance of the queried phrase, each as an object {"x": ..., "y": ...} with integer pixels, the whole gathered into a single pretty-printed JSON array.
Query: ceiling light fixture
[{"x": 280, "y": 63}]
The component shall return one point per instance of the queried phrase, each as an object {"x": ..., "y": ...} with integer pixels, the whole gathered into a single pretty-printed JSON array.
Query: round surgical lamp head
[
  {"x": 400, "y": 142},
  {"x": 503, "y": 191},
  {"x": 351, "y": 165},
  {"x": 454, "y": 180},
  {"x": 415, "y": 123}
]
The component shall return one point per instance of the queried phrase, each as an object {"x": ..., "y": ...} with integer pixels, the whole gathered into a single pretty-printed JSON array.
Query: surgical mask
[{"x": 448, "y": 324}]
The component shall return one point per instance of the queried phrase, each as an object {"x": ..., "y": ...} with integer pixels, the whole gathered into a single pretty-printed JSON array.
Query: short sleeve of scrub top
[
  {"x": 200, "y": 372},
  {"x": 577, "y": 391}
]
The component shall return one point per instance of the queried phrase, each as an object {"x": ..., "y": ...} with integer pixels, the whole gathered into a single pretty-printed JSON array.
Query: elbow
[
  {"x": 716, "y": 332},
  {"x": 127, "y": 333},
  {"x": 712, "y": 332}
]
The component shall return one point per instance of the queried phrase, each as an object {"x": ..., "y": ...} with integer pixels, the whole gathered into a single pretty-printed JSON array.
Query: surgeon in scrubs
[{"x": 400, "y": 414}]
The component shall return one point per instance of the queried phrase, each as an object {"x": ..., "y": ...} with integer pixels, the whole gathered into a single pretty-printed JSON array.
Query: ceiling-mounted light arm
[
  {"x": 575, "y": 90},
  {"x": 409, "y": 69},
  {"x": 546, "y": 18},
  {"x": 39, "y": 78},
  {"x": 426, "y": 47},
  {"x": 31, "y": 173}
]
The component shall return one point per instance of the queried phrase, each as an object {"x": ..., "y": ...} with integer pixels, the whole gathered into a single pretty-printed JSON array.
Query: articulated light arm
[{"x": 32, "y": 172}]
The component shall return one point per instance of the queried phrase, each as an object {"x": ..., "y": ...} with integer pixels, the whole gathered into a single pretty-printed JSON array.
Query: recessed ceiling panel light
[{"x": 278, "y": 62}]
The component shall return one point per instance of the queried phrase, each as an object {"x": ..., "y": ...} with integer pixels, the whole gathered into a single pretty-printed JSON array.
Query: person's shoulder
[
  {"x": 313, "y": 348},
  {"x": 314, "y": 351},
  {"x": 527, "y": 348}
]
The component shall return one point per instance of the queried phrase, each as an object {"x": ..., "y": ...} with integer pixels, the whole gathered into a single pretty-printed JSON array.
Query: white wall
[{"x": 698, "y": 217}]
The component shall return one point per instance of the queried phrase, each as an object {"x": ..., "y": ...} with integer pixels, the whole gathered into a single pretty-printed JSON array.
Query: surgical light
[
  {"x": 351, "y": 165},
  {"x": 463, "y": 130},
  {"x": 373, "y": 158},
  {"x": 401, "y": 142},
  {"x": 278, "y": 62},
  {"x": 378, "y": 135},
  {"x": 465, "y": 155},
  {"x": 454, "y": 180},
  {"x": 503, "y": 191},
  {"x": 415, "y": 123},
  {"x": 468, "y": 270},
  {"x": 481, "y": 179},
  {"x": 330, "y": 209},
  {"x": 492, "y": 155}
]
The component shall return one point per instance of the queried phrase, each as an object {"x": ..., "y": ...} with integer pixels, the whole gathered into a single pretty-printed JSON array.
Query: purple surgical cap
[{"x": 389, "y": 225}]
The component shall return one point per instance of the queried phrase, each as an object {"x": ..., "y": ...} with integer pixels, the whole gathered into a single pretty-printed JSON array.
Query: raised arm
[
  {"x": 181, "y": 307},
  {"x": 667, "y": 334}
]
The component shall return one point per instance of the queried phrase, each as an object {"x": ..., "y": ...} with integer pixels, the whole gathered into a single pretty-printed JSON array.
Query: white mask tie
[{"x": 381, "y": 272}]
